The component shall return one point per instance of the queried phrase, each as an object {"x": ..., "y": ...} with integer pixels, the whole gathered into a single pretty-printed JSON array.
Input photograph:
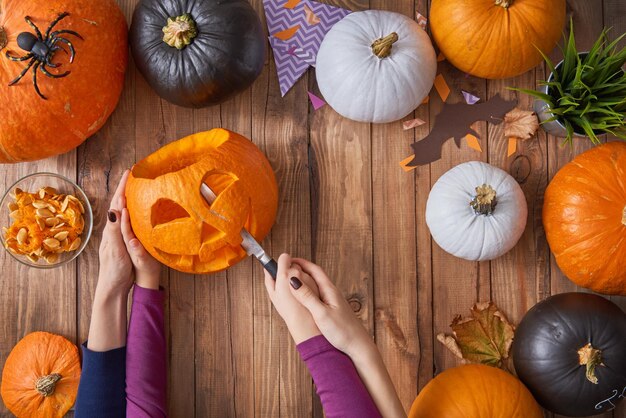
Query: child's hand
[
  {"x": 331, "y": 312},
  {"x": 298, "y": 319}
]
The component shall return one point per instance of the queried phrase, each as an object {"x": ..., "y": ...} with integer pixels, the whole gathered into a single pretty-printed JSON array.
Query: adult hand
[{"x": 297, "y": 318}]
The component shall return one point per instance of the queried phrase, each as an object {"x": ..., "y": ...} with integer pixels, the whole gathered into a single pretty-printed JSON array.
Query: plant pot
[{"x": 542, "y": 109}]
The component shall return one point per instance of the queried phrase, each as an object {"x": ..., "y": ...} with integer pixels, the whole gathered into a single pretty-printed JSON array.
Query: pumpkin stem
[
  {"x": 180, "y": 31},
  {"x": 590, "y": 357},
  {"x": 382, "y": 47},
  {"x": 504, "y": 3},
  {"x": 3, "y": 38},
  {"x": 45, "y": 385},
  {"x": 485, "y": 200},
  {"x": 624, "y": 216}
]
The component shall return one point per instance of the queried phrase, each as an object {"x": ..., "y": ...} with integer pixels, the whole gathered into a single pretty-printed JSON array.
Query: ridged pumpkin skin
[
  {"x": 37, "y": 355},
  {"x": 584, "y": 216},
  {"x": 79, "y": 104},
  {"x": 475, "y": 390},
  {"x": 490, "y": 41},
  {"x": 173, "y": 221}
]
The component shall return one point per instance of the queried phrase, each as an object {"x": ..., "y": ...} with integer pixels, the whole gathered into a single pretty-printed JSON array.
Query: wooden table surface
[{"x": 344, "y": 203}]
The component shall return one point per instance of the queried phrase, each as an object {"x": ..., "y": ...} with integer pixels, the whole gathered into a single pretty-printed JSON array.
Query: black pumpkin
[
  {"x": 558, "y": 334},
  {"x": 197, "y": 53}
]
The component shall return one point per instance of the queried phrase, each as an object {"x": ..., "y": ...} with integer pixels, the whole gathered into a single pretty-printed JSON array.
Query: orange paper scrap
[
  {"x": 473, "y": 143},
  {"x": 440, "y": 57},
  {"x": 442, "y": 87},
  {"x": 283, "y": 35},
  {"x": 311, "y": 18},
  {"x": 404, "y": 163},
  {"x": 512, "y": 146},
  {"x": 413, "y": 123},
  {"x": 421, "y": 20},
  {"x": 291, "y": 4}
]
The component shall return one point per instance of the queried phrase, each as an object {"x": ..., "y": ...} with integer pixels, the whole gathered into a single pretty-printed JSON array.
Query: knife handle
[{"x": 271, "y": 267}]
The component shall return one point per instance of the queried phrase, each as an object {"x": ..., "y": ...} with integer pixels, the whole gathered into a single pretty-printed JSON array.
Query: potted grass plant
[{"x": 585, "y": 94}]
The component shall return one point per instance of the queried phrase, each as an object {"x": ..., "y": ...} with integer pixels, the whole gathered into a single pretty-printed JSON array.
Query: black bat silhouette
[{"x": 454, "y": 122}]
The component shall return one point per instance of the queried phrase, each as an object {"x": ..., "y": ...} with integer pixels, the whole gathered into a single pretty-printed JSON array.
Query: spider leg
[
  {"x": 69, "y": 32},
  {"x": 24, "y": 58},
  {"x": 51, "y": 65},
  {"x": 49, "y": 74},
  {"x": 35, "y": 81},
  {"x": 24, "y": 71},
  {"x": 69, "y": 44},
  {"x": 32, "y": 25},
  {"x": 55, "y": 21}
]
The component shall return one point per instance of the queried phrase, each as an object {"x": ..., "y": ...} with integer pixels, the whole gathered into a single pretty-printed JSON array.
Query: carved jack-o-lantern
[{"x": 174, "y": 222}]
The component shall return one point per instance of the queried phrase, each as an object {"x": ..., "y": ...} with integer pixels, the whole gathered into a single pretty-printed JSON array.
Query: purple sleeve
[
  {"x": 339, "y": 386},
  {"x": 146, "y": 373}
]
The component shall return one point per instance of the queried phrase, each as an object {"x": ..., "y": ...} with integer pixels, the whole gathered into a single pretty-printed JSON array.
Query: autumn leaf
[
  {"x": 485, "y": 337},
  {"x": 520, "y": 124}
]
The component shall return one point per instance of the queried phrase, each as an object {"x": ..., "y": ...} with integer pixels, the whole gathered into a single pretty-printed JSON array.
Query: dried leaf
[
  {"x": 521, "y": 124},
  {"x": 485, "y": 337}
]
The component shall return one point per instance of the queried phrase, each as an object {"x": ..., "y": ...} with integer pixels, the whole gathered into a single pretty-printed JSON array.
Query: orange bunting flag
[
  {"x": 440, "y": 57},
  {"x": 473, "y": 143},
  {"x": 413, "y": 123},
  {"x": 291, "y": 4},
  {"x": 442, "y": 87},
  {"x": 421, "y": 20},
  {"x": 404, "y": 163},
  {"x": 311, "y": 18},
  {"x": 512, "y": 146},
  {"x": 426, "y": 100},
  {"x": 286, "y": 34}
]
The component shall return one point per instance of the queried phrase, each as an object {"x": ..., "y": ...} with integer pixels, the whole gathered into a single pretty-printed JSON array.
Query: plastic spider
[{"x": 41, "y": 49}]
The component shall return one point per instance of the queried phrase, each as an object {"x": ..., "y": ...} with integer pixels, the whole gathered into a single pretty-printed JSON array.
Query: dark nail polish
[
  {"x": 112, "y": 216},
  {"x": 295, "y": 283}
]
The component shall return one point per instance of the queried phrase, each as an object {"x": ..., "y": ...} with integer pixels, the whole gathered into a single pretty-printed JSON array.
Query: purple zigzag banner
[{"x": 295, "y": 52}]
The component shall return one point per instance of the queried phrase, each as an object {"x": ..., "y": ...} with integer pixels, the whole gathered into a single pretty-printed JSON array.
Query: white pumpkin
[
  {"x": 476, "y": 211},
  {"x": 375, "y": 66}
]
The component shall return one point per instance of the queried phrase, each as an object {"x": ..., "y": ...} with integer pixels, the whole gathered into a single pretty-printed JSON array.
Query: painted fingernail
[
  {"x": 112, "y": 216},
  {"x": 295, "y": 283}
]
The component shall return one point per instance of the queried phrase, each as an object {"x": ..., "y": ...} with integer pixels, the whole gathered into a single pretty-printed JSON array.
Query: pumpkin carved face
[{"x": 174, "y": 222}]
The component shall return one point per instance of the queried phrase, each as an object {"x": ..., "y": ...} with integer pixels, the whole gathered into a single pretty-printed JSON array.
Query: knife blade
[{"x": 248, "y": 243}]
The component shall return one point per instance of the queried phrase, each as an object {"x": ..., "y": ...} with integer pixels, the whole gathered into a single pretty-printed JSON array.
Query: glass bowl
[{"x": 32, "y": 183}]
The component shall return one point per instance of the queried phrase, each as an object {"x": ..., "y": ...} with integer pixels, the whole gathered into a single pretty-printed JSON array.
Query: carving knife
[{"x": 249, "y": 244}]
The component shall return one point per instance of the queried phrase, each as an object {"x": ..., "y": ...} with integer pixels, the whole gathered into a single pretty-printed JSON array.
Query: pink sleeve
[
  {"x": 339, "y": 386},
  {"x": 146, "y": 354}
]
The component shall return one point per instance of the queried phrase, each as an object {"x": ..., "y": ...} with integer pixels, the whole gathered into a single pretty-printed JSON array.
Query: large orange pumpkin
[
  {"x": 40, "y": 376},
  {"x": 584, "y": 215},
  {"x": 475, "y": 390},
  {"x": 173, "y": 221},
  {"x": 77, "y": 105},
  {"x": 496, "y": 38}
]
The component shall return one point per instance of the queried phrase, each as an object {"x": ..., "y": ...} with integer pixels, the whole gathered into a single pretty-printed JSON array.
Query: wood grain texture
[{"x": 344, "y": 203}]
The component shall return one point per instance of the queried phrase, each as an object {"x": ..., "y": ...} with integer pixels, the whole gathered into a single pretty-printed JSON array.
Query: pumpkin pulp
[
  {"x": 590, "y": 357},
  {"x": 45, "y": 385},
  {"x": 485, "y": 200},
  {"x": 381, "y": 47},
  {"x": 180, "y": 31}
]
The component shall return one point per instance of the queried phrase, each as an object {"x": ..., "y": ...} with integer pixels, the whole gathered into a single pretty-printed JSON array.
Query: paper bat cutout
[{"x": 454, "y": 122}]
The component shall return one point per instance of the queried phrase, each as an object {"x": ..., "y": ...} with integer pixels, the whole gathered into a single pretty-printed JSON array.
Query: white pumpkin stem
[
  {"x": 624, "y": 216},
  {"x": 180, "y": 31},
  {"x": 382, "y": 47},
  {"x": 485, "y": 200},
  {"x": 45, "y": 385},
  {"x": 504, "y": 3},
  {"x": 590, "y": 357},
  {"x": 3, "y": 38}
]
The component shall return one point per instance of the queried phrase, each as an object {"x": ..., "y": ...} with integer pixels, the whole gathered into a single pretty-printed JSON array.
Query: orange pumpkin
[
  {"x": 173, "y": 221},
  {"x": 76, "y": 106},
  {"x": 475, "y": 390},
  {"x": 40, "y": 377},
  {"x": 584, "y": 216},
  {"x": 496, "y": 38}
]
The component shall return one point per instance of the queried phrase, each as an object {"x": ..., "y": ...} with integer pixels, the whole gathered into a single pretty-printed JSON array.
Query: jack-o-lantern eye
[{"x": 166, "y": 210}]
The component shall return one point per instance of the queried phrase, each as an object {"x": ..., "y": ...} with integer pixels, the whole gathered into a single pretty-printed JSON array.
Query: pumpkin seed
[
  {"x": 40, "y": 204},
  {"x": 32, "y": 258},
  {"x": 75, "y": 244},
  {"x": 61, "y": 235},
  {"x": 39, "y": 251},
  {"x": 15, "y": 214},
  {"x": 41, "y": 222},
  {"x": 42, "y": 193},
  {"x": 51, "y": 258},
  {"x": 66, "y": 201},
  {"x": 58, "y": 226},
  {"x": 52, "y": 208},
  {"x": 22, "y": 235},
  {"x": 80, "y": 206},
  {"x": 50, "y": 190},
  {"x": 44, "y": 213},
  {"x": 52, "y": 221},
  {"x": 52, "y": 243}
]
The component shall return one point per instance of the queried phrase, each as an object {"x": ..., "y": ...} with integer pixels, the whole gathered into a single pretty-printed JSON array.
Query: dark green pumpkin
[
  {"x": 214, "y": 48},
  {"x": 548, "y": 346}
]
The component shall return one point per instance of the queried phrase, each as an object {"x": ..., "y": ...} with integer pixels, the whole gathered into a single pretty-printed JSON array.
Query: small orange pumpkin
[
  {"x": 40, "y": 377},
  {"x": 173, "y": 221},
  {"x": 584, "y": 216},
  {"x": 496, "y": 38},
  {"x": 475, "y": 390},
  {"x": 78, "y": 104}
]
